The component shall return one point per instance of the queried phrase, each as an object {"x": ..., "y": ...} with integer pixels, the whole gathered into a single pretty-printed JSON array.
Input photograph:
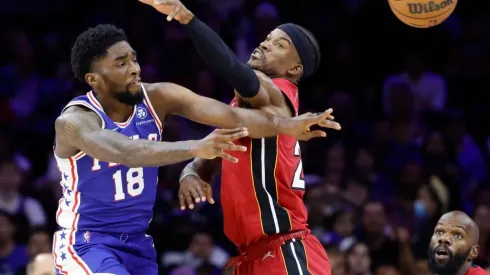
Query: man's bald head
[
  {"x": 454, "y": 244},
  {"x": 462, "y": 220},
  {"x": 42, "y": 265}
]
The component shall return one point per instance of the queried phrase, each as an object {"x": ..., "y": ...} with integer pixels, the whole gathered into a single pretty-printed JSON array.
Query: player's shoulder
[
  {"x": 76, "y": 116},
  {"x": 267, "y": 82},
  {"x": 159, "y": 91}
]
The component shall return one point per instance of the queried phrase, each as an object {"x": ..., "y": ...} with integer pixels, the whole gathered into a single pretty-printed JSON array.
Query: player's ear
[
  {"x": 92, "y": 79},
  {"x": 473, "y": 252},
  {"x": 296, "y": 70}
]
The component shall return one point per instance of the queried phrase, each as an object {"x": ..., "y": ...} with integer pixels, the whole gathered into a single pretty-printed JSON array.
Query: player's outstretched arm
[
  {"x": 79, "y": 129},
  {"x": 217, "y": 55},
  {"x": 181, "y": 101}
]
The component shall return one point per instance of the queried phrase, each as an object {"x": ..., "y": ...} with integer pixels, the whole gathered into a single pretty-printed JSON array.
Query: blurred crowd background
[{"x": 414, "y": 105}]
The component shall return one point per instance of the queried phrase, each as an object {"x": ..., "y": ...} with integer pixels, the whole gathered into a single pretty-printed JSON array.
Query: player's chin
[
  {"x": 255, "y": 64},
  {"x": 134, "y": 89}
]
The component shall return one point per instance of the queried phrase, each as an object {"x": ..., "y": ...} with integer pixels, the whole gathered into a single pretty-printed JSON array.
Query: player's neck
[
  {"x": 464, "y": 269},
  {"x": 117, "y": 111}
]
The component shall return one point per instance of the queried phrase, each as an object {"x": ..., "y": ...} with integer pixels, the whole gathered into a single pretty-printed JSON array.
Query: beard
[
  {"x": 128, "y": 98},
  {"x": 451, "y": 266}
]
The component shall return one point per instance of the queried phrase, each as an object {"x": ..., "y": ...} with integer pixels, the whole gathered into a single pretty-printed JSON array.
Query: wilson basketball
[{"x": 422, "y": 13}]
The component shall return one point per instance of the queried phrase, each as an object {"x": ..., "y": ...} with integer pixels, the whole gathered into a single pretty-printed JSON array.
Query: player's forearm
[
  {"x": 136, "y": 153},
  {"x": 204, "y": 168},
  {"x": 221, "y": 59}
]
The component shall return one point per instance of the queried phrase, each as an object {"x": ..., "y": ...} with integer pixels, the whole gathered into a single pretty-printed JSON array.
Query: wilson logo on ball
[
  {"x": 422, "y": 13},
  {"x": 418, "y": 8}
]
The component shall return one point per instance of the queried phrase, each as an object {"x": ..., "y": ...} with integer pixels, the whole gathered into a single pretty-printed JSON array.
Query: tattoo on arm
[{"x": 79, "y": 128}]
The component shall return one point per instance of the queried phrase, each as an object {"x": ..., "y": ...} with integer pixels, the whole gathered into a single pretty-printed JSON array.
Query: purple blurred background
[{"x": 414, "y": 105}]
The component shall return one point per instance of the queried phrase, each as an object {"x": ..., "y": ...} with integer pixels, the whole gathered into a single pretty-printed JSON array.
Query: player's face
[
  {"x": 276, "y": 56},
  {"x": 119, "y": 74},
  {"x": 449, "y": 247}
]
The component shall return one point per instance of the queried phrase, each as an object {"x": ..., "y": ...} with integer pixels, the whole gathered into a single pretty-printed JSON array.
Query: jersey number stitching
[
  {"x": 298, "y": 180},
  {"x": 135, "y": 183}
]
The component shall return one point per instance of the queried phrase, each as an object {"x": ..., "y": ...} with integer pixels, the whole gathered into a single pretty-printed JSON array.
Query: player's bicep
[{"x": 81, "y": 129}]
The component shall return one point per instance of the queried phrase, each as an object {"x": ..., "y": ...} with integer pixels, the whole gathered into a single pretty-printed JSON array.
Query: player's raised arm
[
  {"x": 217, "y": 55},
  {"x": 79, "y": 129},
  {"x": 181, "y": 101}
]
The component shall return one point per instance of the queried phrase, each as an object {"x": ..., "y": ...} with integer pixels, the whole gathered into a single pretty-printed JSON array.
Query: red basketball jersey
[
  {"x": 263, "y": 193},
  {"x": 476, "y": 270}
]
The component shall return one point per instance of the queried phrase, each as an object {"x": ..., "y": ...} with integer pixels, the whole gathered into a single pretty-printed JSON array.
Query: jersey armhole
[
  {"x": 84, "y": 104},
  {"x": 152, "y": 110}
]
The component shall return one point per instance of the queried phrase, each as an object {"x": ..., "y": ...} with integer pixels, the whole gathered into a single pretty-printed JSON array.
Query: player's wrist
[
  {"x": 184, "y": 175},
  {"x": 185, "y": 18}
]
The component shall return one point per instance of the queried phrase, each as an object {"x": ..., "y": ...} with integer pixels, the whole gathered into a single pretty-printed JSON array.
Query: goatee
[{"x": 130, "y": 99}]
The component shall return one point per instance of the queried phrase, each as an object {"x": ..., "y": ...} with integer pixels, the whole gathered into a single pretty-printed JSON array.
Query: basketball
[{"x": 422, "y": 13}]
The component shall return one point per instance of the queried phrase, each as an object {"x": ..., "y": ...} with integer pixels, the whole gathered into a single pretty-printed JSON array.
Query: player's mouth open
[
  {"x": 257, "y": 54},
  {"x": 441, "y": 254},
  {"x": 137, "y": 81}
]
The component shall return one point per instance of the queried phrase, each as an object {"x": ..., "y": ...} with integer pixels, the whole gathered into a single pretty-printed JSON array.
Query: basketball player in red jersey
[
  {"x": 264, "y": 214},
  {"x": 454, "y": 246}
]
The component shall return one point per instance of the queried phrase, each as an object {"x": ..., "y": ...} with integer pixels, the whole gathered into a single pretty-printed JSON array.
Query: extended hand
[
  {"x": 299, "y": 127},
  {"x": 221, "y": 140},
  {"x": 171, "y": 8},
  {"x": 193, "y": 189}
]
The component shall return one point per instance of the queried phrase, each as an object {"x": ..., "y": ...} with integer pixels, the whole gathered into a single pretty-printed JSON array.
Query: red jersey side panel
[
  {"x": 476, "y": 270},
  {"x": 263, "y": 193}
]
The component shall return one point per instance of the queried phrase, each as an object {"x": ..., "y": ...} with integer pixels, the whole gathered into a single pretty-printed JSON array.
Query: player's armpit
[
  {"x": 81, "y": 129},
  {"x": 269, "y": 95}
]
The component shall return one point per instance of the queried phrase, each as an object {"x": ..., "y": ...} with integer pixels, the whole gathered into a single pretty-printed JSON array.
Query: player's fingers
[
  {"x": 194, "y": 193},
  {"x": 182, "y": 201},
  {"x": 209, "y": 194},
  {"x": 226, "y": 138},
  {"x": 175, "y": 11},
  {"x": 230, "y": 131},
  {"x": 330, "y": 124},
  {"x": 226, "y": 146},
  {"x": 227, "y": 157},
  {"x": 188, "y": 199},
  {"x": 199, "y": 189},
  {"x": 315, "y": 134}
]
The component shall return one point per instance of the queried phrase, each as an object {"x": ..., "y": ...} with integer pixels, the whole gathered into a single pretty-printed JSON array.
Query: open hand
[
  {"x": 194, "y": 190},
  {"x": 171, "y": 8},
  {"x": 299, "y": 127},
  {"x": 219, "y": 141}
]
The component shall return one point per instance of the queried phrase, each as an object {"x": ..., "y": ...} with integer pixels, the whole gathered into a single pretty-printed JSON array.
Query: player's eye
[
  {"x": 438, "y": 232},
  {"x": 458, "y": 236},
  {"x": 120, "y": 64}
]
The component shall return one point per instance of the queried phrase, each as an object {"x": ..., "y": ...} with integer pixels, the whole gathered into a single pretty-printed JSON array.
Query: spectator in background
[
  {"x": 26, "y": 212},
  {"x": 202, "y": 252},
  {"x": 39, "y": 243},
  {"x": 358, "y": 260},
  {"x": 374, "y": 232},
  {"x": 428, "y": 88},
  {"x": 13, "y": 257},
  {"x": 482, "y": 220},
  {"x": 432, "y": 201}
]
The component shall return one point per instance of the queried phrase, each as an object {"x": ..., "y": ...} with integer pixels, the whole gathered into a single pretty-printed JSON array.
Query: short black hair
[{"x": 91, "y": 45}]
